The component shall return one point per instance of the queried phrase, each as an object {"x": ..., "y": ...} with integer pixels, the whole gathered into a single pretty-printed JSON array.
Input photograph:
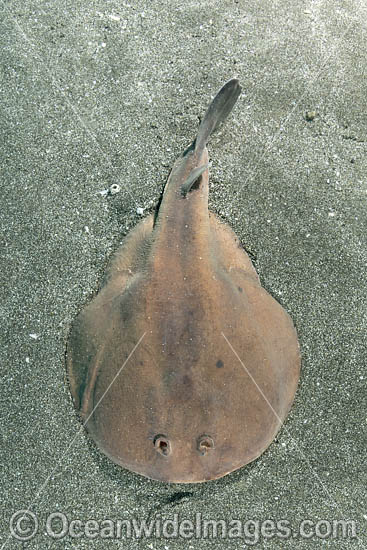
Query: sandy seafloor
[{"x": 97, "y": 93}]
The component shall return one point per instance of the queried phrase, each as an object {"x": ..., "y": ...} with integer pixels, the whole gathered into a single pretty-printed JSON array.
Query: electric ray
[{"x": 183, "y": 367}]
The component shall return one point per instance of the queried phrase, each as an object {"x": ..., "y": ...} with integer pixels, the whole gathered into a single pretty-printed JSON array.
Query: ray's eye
[
  {"x": 204, "y": 444},
  {"x": 162, "y": 444}
]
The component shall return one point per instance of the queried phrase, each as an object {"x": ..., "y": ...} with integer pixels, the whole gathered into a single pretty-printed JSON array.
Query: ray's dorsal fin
[
  {"x": 194, "y": 175},
  {"x": 216, "y": 113}
]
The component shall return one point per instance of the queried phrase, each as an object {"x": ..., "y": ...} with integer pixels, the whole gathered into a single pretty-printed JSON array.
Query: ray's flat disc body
[{"x": 183, "y": 367}]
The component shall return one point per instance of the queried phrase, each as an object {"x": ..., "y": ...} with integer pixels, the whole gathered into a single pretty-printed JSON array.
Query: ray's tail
[{"x": 216, "y": 113}]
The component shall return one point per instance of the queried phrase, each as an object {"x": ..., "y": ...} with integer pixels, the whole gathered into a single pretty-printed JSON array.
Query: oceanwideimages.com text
[{"x": 24, "y": 525}]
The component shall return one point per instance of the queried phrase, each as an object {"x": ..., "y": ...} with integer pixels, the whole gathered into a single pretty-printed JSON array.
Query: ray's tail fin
[{"x": 217, "y": 112}]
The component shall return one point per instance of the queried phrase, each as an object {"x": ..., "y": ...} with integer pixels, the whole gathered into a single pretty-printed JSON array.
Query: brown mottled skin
[{"x": 183, "y": 286}]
